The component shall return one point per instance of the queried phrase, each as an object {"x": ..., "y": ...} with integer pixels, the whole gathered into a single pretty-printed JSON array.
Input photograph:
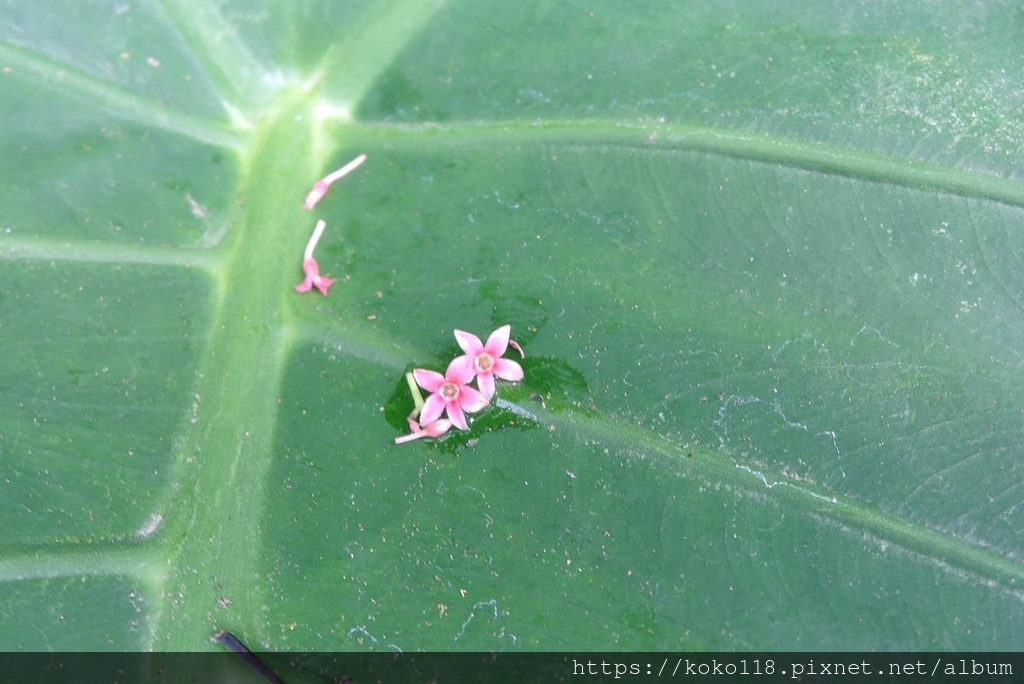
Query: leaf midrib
[{"x": 218, "y": 514}]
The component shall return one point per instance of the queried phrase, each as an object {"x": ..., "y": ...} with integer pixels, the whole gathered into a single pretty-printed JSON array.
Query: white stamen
[
  {"x": 345, "y": 170},
  {"x": 311, "y": 245}
]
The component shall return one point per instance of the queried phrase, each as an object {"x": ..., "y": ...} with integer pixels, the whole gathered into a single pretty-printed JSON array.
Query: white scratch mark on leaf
[
  {"x": 492, "y": 604},
  {"x": 771, "y": 485},
  {"x": 361, "y": 632},
  {"x": 151, "y": 526}
]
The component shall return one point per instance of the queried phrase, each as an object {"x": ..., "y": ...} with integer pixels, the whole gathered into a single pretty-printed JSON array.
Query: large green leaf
[{"x": 764, "y": 259}]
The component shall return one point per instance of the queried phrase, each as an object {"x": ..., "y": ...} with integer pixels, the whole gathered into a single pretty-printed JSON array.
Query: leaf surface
[{"x": 763, "y": 259}]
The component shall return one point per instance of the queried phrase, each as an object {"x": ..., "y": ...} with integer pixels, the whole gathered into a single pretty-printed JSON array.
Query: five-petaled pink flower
[
  {"x": 450, "y": 393},
  {"x": 313, "y": 278},
  {"x": 485, "y": 359}
]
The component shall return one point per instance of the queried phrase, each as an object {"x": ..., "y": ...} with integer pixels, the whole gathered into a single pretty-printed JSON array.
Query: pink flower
[
  {"x": 432, "y": 430},
  {"x": 313, "y": 278},
  {"x": 449, "y": 393},
  {"x": 311, "y": 268},
  {"x": 485, "y": 359}
]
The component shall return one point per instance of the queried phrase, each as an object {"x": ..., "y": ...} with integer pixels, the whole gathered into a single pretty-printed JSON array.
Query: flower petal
[
  {"x": 437, "y": 428},
  {"x": 507, "y": 369},
  {"x": 469, "y": 342},
  {"x": 485, "y": 381},
  {"x": 433, "y": 407},
  {"x": 497, "y": 342},
  {"x": 456, "y": 415},
  {"x": 428, "y": 379},
  {"x": 470, "y": 400},
  {"x": 460, "y": 370},
  {"x": 322, "y": 284}
]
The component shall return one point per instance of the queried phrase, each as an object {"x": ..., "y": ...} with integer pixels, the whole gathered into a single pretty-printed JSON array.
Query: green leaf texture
[{"x": 764, "y": 260}]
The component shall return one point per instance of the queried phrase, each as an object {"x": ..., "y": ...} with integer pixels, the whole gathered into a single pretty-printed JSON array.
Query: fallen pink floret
[
  {"x": 485, "y": 359},
  {"x": 321, "y": 187},
  {"x": 432, "y": 430},
  {"x": 310, "y": 267}
]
